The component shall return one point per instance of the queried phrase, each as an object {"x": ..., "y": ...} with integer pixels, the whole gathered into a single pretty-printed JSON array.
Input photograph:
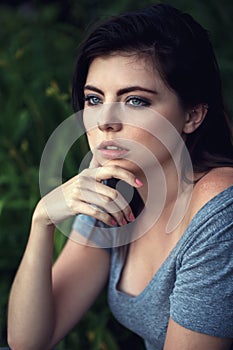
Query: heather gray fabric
[{"x": 194, "y": 285}]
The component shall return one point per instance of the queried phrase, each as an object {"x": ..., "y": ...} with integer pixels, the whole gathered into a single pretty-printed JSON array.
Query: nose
[{"x": 109, "y": 119}]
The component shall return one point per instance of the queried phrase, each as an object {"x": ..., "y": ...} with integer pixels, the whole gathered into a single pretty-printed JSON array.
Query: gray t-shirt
[{"x": 194, "y": 286}]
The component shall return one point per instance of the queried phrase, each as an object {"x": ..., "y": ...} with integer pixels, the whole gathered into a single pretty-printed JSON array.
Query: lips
[
  {"x": 112, "y": 149},
  {"x": 111, "y": 145}
]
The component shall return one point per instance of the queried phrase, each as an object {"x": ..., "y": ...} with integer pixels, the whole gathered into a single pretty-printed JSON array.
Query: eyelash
[
  {"x": 89, "y": 101},
  {"x": 143, "y": 102}
]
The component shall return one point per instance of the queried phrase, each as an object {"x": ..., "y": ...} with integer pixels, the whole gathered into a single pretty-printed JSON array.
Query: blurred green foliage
[{"x": 39, "y": 42}]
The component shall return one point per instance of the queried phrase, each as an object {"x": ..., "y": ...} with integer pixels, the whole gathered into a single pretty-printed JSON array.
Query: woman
[{"x": 175, "y": 290}]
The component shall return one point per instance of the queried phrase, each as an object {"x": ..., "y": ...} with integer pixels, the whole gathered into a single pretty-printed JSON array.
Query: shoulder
[
  {"x": 209, "y": 186},
  {"x": 204, "y": 279}
]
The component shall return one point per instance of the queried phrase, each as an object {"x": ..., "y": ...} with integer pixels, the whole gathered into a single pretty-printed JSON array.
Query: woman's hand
[{"x": 86, "y": 194}]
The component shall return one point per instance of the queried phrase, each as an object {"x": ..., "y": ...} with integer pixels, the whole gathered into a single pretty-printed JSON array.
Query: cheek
[
  {"x": 145, "y": 145},
  {"x": 89, "y": 119},
  {"x": 91, "y": 139},
  {"x": 154, "y": 148}
]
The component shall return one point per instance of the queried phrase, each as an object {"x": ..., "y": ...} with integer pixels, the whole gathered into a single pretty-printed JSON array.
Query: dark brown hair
[{"x": 183, "y": 54}]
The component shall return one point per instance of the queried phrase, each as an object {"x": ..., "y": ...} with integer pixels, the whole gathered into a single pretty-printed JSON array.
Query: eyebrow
[{"x": 121, "y": 91}]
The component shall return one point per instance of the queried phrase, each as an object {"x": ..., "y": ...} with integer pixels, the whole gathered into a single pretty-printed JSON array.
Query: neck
[{"x": 166, "y": 192}]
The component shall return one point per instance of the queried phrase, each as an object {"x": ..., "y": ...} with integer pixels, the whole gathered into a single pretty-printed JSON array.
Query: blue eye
[
  {"x": 92, "y": 100},
  {"x": 136, "y": 101}
]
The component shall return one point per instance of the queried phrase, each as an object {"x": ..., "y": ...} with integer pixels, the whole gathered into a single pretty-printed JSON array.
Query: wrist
[{"x": 40, "y": 216}]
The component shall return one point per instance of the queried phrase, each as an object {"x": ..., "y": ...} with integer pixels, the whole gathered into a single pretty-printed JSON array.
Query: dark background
[{"x": 38, "y": 46}]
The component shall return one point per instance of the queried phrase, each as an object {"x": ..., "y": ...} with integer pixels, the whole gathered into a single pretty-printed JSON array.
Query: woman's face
[{"x": 127, "y": 109}]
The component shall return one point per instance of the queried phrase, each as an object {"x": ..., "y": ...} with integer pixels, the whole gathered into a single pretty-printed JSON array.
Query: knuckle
[
  {"x": 111, "y": 194},
  {"x": 75, "y": 191},
  {"x": 94, "y": 211},
  {"x": 78, "y": 193},
  {"x": 114, "y": 195},
  {"x": 71, "y": 204},
  {"x": 107, "y": 199},
  {"x": 115, "y": 167},
  {"x": 80, "y": 181},
  {"x": 112, "y": 169}
]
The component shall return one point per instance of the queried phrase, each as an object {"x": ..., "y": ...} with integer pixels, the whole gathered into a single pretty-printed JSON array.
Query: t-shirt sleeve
[
  {"x": 202, "y": 299},
  {"x": 87, "y": 230}
]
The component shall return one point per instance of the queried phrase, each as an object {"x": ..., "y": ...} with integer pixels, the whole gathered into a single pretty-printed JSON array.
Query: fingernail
[
  {"x": 138, "y": 182},
  {"x": 113, "y": 222},
  {"x": 124, "y": 222},
  {"x": 131, "y": 217}
]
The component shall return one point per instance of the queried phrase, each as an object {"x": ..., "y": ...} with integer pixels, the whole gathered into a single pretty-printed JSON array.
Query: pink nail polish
[
  {"x": 113, "y": 222},
  {"x": 138, "y": 182},
  {"x": 131, "y": 217},
  {"x": 124, "y": 222}
]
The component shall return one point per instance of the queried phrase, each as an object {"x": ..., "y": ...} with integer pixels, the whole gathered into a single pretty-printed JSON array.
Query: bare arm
[
  {"x": 180, "y": 338},
  {"x": 85, "y": 270},
  {"x": 31, "y": 293},
  {"x": 44, "y": 304}
]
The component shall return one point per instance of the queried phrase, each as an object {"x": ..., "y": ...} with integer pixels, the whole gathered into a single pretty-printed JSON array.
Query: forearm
[
  {"x": 31, "y": 312},
  {"x": 38, "y": 307}
]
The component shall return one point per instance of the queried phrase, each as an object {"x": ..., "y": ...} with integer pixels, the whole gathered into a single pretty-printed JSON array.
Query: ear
[{"x": 194, "y": 118}]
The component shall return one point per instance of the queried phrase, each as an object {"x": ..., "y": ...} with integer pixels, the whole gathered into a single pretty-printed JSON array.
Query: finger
[
  {"x": 106, "y": 197},
  {"x": 114, "y": 171},
  {"x": 118, "y": 209},
  {"x": 95, "y": 212}
]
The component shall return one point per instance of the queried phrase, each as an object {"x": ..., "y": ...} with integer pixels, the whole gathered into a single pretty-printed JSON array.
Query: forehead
[{"x": 124, "y": 67}]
